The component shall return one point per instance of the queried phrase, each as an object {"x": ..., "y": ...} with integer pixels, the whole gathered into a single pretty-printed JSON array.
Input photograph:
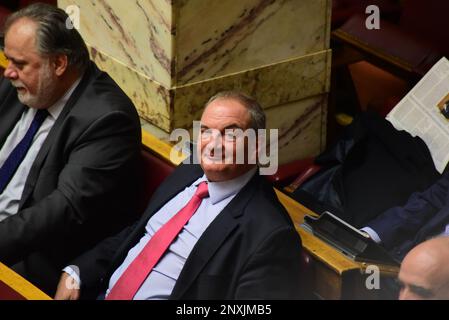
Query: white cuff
[
  {"x": 373, "y": 234},
  {"x": 74, "y": 272}
]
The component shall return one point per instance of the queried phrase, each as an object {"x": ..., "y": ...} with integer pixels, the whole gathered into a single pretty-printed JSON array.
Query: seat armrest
[
  {"x": 305, "y": 175},
  {"x": 286, "y": 173}
]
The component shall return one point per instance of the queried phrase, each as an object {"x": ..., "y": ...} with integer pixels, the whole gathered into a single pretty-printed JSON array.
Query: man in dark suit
[
  {"x": 69, "y": 146},
  {"x": 239, "y": 244},
  {"x": 425, "y": 215}
]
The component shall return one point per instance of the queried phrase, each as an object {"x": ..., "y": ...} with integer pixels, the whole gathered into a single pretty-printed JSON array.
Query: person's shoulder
[
  {"x": 265, "y": 205},
  {"x": 98, "y": 85},
  {"x": 193, "y": 170},
  {"x": 184, "y": 173},
  {"x": 264, "y": 190}
]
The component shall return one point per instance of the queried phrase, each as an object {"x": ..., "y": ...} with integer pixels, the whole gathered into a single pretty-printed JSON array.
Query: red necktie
[{"x": 130, "y": 281}]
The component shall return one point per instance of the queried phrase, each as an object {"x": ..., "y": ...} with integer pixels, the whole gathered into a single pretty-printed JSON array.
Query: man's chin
[
  {"x": 23, "y": 96},
  {"x": 214, "y": 170},
  {"x": 27, "y": 100},
  {"x": 218, "y": 167}
]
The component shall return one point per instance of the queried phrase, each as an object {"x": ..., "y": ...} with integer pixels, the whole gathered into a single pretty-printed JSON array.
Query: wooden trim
[
  {"x": 20, "y": 285},
  {"x": 316, "y": 247},
  {"x": 3, "y": 60},
  {"x": 357, "y": 43},
  {"x": 161, "y": 148}
]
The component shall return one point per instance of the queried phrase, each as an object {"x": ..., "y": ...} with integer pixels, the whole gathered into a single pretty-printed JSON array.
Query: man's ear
[{"x": 60, "y": 64}]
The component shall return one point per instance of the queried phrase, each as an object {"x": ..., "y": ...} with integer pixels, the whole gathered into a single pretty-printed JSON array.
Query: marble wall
[{"x": 171, "y": 56}]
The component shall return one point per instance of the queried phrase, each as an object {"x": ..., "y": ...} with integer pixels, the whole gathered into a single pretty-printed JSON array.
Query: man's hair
[
  {"x": 52, "y": 34},
  {"x": 256, "y": 113}
]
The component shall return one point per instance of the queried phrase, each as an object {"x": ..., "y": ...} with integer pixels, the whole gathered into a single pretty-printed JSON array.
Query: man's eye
[
  {"x": 422, "y": 292},
  {"x": 18, "y": 65},
  {"x": 205, "y": 134},
  {"x": 230, "y": 136}
]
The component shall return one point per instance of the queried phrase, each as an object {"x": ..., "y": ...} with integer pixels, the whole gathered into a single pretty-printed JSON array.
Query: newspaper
[{"x": 420, "y": 112}]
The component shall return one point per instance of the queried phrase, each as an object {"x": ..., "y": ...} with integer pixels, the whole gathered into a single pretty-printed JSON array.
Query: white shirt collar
[{"x": 219, "y": 191}]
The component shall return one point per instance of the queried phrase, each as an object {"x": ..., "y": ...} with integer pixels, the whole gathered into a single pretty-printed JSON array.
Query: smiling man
[
  {"x": 224, "y": 149},
  {"x": 211, "y": 231},
  {"x": 69, "y": 146}
]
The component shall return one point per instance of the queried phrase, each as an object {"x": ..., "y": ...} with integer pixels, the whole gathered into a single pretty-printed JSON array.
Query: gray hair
[
  {"x": 256, "y": 113},
  {"x": 52, "y": 35}
]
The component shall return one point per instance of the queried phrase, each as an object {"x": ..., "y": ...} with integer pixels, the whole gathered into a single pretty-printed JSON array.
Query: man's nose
[
  {"x": 217, "y": 138},
  {"x": 10, "y": 72},
  {"x": 215, "y": 144}
]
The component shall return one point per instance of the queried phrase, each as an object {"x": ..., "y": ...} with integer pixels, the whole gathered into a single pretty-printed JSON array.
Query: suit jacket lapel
[
  {"x": 213, "y": 238},
  {"x": 54, "y": 132},
  {"x": 206, "y": 246}
]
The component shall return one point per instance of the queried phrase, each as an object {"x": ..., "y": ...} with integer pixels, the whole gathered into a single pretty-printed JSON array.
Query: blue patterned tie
[{"x": 16, "y": 156}]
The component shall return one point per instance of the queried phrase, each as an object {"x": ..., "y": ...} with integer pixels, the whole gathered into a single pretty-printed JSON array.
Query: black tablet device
[{"x": 349, "y": 240}]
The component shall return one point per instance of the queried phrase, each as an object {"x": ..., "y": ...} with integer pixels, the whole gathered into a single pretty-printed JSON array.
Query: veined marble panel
[
  {"x": 218, "y": 38},
  {"x": 178, "y": 107},
  {"x": 302, "y": 127},
  {"x": 137, "y": 33},
  {"x": 186, "y": 41},
  {"x": 151, "y": 99},
  {"x": 274, "y": 85}
]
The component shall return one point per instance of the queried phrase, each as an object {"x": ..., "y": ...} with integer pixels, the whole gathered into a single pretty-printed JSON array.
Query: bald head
[{"x": 424, "y": 273}]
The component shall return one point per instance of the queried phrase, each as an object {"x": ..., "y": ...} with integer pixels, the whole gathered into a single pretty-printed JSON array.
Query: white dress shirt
[
  {"x": 162, "y": 279},
  {"x": 10, "y": 198}
]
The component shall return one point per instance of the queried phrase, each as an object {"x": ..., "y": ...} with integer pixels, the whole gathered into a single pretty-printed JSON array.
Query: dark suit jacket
[
  {"x": 424, "y": 215},
  {"x": 82, "y": 184},
  {"x": 372, "y": 168},
  {"x": 251, "y": 250}
]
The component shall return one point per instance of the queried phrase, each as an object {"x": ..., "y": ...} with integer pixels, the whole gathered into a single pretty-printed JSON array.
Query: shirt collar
[
  {"x": 56, "y": 108},
  {"x": 219, "y": 191}
]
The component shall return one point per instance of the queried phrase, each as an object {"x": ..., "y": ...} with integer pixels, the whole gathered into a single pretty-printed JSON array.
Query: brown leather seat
[
  {"x": 409, "y": 47},
  {"x": 394, "y": 57}
]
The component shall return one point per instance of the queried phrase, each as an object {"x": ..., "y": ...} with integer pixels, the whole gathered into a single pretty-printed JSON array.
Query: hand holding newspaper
[{"x": 421, "y": 112}]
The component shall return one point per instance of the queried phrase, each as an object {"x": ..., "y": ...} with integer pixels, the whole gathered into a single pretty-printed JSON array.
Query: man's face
[
  {"x": 217, "y": 146},
  {"x": 28, "y": 71},
  {"x": 421, "y": 279}
]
